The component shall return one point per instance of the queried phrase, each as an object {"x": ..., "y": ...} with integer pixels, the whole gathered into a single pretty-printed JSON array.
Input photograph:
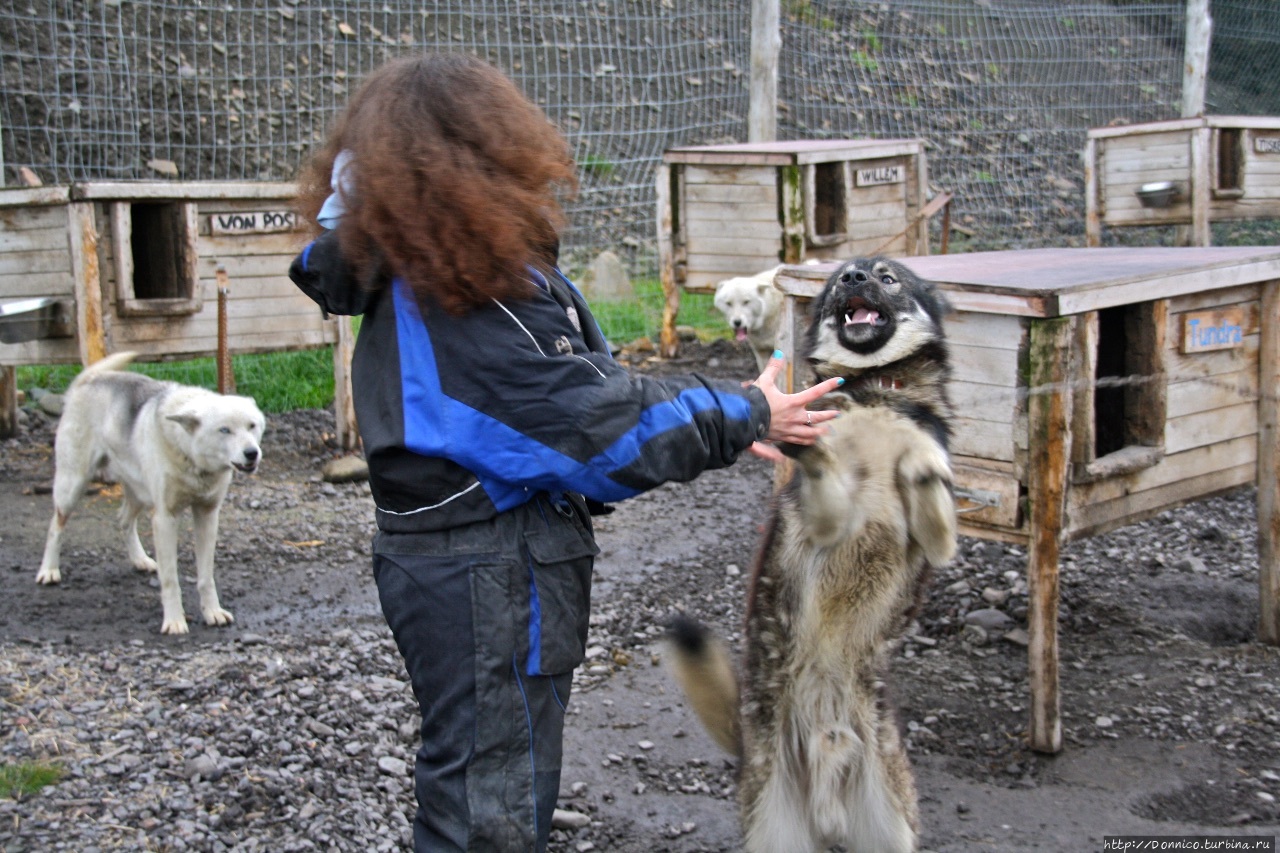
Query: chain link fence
[{"x": 1001, "y": 90}]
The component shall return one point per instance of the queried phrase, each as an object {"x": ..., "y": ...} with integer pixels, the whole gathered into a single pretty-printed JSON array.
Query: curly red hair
[{"x": 454, "y": 180}]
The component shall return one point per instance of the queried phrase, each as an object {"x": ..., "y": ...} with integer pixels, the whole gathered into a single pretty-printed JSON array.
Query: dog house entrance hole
[
  {"x": 829, "y": 216},
  {"x": 155, "y": 252},
  {"x": 1128, "y": 398},
  {"x": 1229, "y": 181}
]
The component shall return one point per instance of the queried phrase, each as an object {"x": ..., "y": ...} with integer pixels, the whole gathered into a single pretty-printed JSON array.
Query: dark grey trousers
[{"x": 491, "y": 619}]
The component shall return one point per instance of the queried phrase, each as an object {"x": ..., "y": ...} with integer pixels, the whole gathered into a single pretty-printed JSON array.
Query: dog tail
[
  {"x": 701, "y": 665},
  {"x": 115, "y": 361}
]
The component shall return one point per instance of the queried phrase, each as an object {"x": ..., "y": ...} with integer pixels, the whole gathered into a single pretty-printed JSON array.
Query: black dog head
[{"x": 872, "y": 312}]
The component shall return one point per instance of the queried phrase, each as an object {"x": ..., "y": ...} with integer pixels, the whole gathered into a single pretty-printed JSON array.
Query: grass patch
[
  {"x": 284, "y": 381},
  {"x": 26, "y": 778}
]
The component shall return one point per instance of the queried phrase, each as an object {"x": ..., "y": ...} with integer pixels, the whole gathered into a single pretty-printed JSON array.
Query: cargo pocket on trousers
[{"x": 560, "y": 562}]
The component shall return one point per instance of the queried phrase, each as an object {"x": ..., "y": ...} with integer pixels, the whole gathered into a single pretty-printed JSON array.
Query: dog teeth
[{"x": 862, "y": 315}]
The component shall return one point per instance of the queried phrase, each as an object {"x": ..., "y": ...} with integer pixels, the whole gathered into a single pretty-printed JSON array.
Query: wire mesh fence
[{"x": 1002, "y": 91}]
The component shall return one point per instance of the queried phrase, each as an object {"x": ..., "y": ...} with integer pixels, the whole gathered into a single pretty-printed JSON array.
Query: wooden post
[
  {"x": 668, "y": 343},
  {"x": 8, "y": 401},
  {"x": 83, "y": 234},
  {"x": 766, "y": 44},
  {"x": 226, "y": 376},
  {"x": 1195, "y": 69},
  {"x": 1049, "y": 425},
  {"x": 1199, "y": 233},
  {"x": 1092, "y": 207},
  {"x": 791, "y": 204},
  {"x": 344, "y": 407},
  {"x": 1269, "y": 467}
]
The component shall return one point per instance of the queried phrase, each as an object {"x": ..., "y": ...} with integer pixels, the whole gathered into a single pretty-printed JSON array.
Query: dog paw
[
  {"x": 47, "y": 576},
  {"x": 218, "y": 617},
  {"x": 146, "y": 564},
  {"x": 174, "y": 626}
]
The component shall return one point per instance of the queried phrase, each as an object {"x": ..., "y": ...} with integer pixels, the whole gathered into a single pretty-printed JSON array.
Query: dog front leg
[
  {"x": 827, "y": 488},
  {"x": 206, "y": 524},
  {"x": 164, "y": 529}
]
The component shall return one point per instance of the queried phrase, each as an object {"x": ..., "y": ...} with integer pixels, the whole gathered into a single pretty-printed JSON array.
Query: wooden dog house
[
  {"x": 139, "y": 266},
  {"x": 1188, "y": 172},
  {"x": 735, "y": 210},
  {"x": 1097, "y": 387}
]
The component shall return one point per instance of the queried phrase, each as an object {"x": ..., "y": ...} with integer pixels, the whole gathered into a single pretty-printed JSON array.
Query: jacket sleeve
[{"x": 321, "y": 273}]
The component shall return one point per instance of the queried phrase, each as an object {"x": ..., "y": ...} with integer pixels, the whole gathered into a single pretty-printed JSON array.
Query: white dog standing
[
  {"x": 752, "y": 306},
  {"x": 171, "y": 447}
]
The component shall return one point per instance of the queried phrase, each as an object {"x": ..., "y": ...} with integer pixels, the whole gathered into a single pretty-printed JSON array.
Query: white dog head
[
  {"x": 222, "y": 431},
  {"x": 749, "y": 304}
]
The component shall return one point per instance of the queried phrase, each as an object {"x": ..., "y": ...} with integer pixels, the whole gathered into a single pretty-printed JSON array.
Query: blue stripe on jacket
[{"x": 510, "y": 465}]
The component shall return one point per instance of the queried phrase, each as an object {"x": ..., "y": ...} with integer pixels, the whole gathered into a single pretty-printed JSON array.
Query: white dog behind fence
[{"x": 171, "y": 447}]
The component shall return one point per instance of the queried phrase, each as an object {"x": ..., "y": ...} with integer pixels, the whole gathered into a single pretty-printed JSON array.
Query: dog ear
[{"x": 187, "y": 420}]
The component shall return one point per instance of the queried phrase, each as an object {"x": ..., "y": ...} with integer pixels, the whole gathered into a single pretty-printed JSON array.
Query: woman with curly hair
[{"x": 494, "y": 422}]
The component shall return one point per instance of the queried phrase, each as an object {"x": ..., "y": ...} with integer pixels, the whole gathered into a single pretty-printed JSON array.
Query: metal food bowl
[
  {"x": 1161, "y": 193},
  {"x": 33, "y": 319}
]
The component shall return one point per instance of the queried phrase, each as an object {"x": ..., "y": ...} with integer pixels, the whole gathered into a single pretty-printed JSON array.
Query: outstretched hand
[{"x": 789, "y": 419}]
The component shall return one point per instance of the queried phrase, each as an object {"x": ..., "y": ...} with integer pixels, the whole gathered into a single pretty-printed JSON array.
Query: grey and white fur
[
  {"x": 171, "y": 447},
  {"x": 838, "y": 574}
]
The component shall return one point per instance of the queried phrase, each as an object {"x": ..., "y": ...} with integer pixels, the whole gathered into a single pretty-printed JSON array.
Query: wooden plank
[
  {"x": 730, "y": 194},
  {"x": 985, "y": 365},
  {"x": 1092, "y": 195},
  {"x": 344, "y": 409},
  {"x": 750, "y": 246},
  {"x": 1203, "y": 428},
  {"x": 1172, "y": 469},
  {"x": 1211, "y": 393},
  {"x": 43, "y": 261},
  {"x": 1110, "y": 515},
  {"x": 1244, "y": 359},
  {"x": 199, "y": 346},
  {"x": 90, "y": 332},
  {"x": 986, "y": 331},
  {"x": 43, "y": 351},
  {"x": 1003, "y": 486},
  {"x": 1145, "y": 128},
  {"x": 982, "y": 402},
  {"x": 33, "y": 218},
  {"x": 983, "y": 439},
  {"x": 792, "y": 152},
  {"x": 668, "y": 341},
  {"x": 35, "y": 239},
  {"x": 34, "y": 197},
  {"x": 227, "y": 247},
  {"x": 1048, "y": 476},
  {"x": 248, "y": 266},
  {"x": 182, "y": 190},
  {"x": 1201, "y": 183},
  {"x": 16, "y": 285},
  {"x": 1245, "y": 294},
  {"x": 1268, "y": 470},
  {"x": 8, "y": 401},
  {"x": 759, "y": 229},
  {"x": 738, "y": 175}
]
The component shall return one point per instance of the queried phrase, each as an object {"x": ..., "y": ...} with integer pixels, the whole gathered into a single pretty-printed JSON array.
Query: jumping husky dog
[
  {"x": 171, "y": 447},
  {"x": 840, "y": 570}
]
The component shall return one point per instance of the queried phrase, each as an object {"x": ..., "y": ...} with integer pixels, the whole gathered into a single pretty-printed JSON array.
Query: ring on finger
[{"x": 808, "y": 418}]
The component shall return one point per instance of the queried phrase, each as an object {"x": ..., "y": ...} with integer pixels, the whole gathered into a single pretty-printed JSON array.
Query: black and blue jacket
[{"x": 464, "y": 417}]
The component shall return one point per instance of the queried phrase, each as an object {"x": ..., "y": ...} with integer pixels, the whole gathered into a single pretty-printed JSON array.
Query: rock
[
  {"x": 393, "y": 766},
  {"x": 605, "y": 280},
  {"x": 989, "y": 619},
  {"x": 51, "y": 404},
  {"x": 566, "y": 819},
  {"x": 345, "y": 469}
]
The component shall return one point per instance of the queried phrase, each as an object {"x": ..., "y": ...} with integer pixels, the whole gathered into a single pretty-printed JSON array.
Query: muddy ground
[{"x": 1172, "y": 725}]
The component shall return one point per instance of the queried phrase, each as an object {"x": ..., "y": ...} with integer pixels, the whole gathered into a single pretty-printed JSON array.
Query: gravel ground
[{"x": 295, "y": 728}]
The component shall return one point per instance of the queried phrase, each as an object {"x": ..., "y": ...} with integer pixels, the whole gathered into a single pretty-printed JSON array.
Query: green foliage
[
  {"x": 600, "y": 167},
  {"x": 284, "y": 381},
  {"x": 278, "y": 381},
  {"x": 26, "y": 778},
  {"x": 865, "y": 62}
]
